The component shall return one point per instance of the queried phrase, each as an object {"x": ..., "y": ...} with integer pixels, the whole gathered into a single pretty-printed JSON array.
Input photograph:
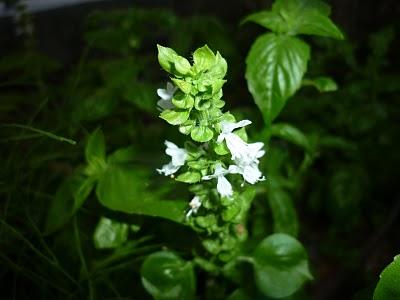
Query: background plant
[{"x": 351, "y": 181}]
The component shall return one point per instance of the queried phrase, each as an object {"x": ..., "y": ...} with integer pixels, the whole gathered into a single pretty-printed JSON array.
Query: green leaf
[
  {"x": 186, "y": 128},
  {"x": 95, "y": 152},
  {"x": 282, "y": 208},
  {"x": 203, "y": 58},
  {"x": 388, "y": 287},
  {"x": 220, "y": 67},
  {"x": 183, "y": 101},
  {"x": 298, "y": 17},
  {"x": 175, "y": 117},
  {"x": 269, "y": 20},
  {"x": 123, "y": 155},
  {"x": 291, "y": 134},
  {"x": 275, "y": 68},
  {"x": 110, "y": 234},
  {"x": 95, "y": 106},
  {"x": 280, "y": 266},
  {"x": 202, "y": 134},
  {"x": 123, "y": 188},
  {"x": 68, "y": 199},
  {"x": 322, "y": 84},
  {"x": 189, "y": 177},
  {"x": 171, "y": 62},
  {"x": 183, "y": 85},
  {"x": 168, "y": 277}
]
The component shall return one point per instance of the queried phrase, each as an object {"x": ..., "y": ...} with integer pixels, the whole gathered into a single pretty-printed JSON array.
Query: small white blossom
[
  {"x": 178, "y": 156},
  {"x": 235, "y": 144},
  {"x": 194, "y": 206},
  {"x": 166, "y": 97},
  {"x": 224, "y": 187},
  {"x": 247, "y": 164}
]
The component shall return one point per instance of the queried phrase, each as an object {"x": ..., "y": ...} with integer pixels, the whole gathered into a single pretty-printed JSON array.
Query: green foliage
[
  {"x": 110, "y": 234},
  {"x": 389, "y": 283},
  {"x": 277, "y": 62},
  {"x": 294, "y": 17},
  {"x": 166, "y": 276},
  {"x": 275, "y": 67},
  {"x": 280, "y": 265},
  {"x": 80, "y": 219}
]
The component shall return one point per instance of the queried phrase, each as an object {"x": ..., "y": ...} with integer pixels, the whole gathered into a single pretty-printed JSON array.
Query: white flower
[
  {"x": 178, "y": 156},
  {"x": 166, "y": 97},
  {"x": 247, "y": 164},
  {"x": 224, "y": 187},
  {"x": 235, "y": 144},
  {"x": 194, "y": 206}
]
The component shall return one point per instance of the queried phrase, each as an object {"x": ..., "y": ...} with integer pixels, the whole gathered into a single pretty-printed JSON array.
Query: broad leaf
[
  {"x": 203, "y": 58},
  {"x": 298, "y": 17},
  {"x": 124, "y": 188},
  {"x": 110, "y": 234},
  {"x": 171, "y": 62},
  {"x": 68, "y": 199},
  {"x": 168, "y": 277},
  {"x": 275, "y": 67},
  {"x": 201, "y": 134},
  {"x": 388, "y": 287},
  {"x": 280, "y": 265},
  {"x": 95, "y": 152},
  {"x": 175, "y": 117}
]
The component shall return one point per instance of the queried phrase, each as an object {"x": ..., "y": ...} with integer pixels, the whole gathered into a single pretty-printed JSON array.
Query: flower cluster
[{"x": 193, "y": 101}]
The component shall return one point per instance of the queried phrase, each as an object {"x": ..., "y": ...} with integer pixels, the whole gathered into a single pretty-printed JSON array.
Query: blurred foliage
[{"x": 331, "y": 177}]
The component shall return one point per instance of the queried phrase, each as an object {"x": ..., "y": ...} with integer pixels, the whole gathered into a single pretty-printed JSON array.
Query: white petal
[
  {"x": 242, "y": 123},
  {"x": 177, "y": 154},
  {"x": 235, "y": 169},
  {"x": 224, "y": 187},
  {"x": 236, "y": 146},
  {"x": 168, "y": 169},
  {"x": 252, "y": 174},
  {"x": 163, "y": 94},
  {"x": 221, "y": 138},
  {"x": 170, "y": 145},
  {"x": 165, "y": 104},
  {"x": 228, "y": 127}
]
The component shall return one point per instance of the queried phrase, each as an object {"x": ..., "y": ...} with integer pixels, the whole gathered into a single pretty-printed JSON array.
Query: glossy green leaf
[
  {"x": 183, "y": 85},
  {"x": 189, "y": 177},
  {"x": 187, "y": 127},
  {"x": 203, "y": 58},
  {"x": 110, "y": 234},
  {"x": 201, "y": 134},
  {"x": 183, "y": 101},
  {"x": 95, "y": 152},
  {"x": 68, "y": 199},
  {"x": 280, "y": 266},
  {"x": 275, "y": 67},
  {"x": 174, "y": 117},
  {"x": 124, "y": 188},
  {"x": 171, "y": 62},
  {"x": 220, "y": 67},
  {"x": 388, "y": 287},
  {"x": 322, "y": 84},
  {"x": 298, "y": 17},
  {"x": 168, "y": 277},
  {"x": 291, "y": 134}
]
